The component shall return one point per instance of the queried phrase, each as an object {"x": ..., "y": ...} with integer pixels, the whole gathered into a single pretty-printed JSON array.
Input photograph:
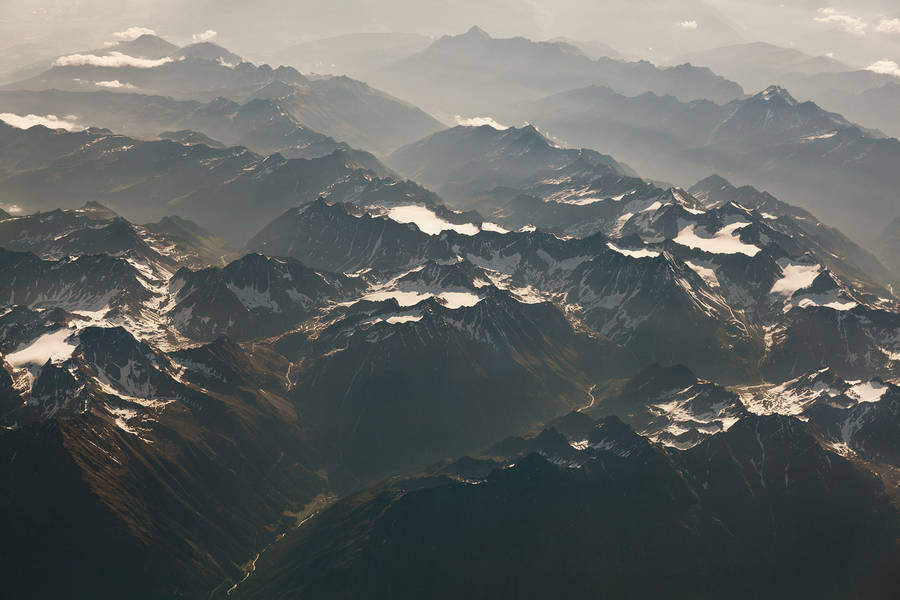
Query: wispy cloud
[
  {"x": 689, "y": 24},
  {"x": 51, "y": 121},
  {"x": 478, "y": 122},
  {"x": 204, "y": 36},
  {"x": 113, "y": 59},
  {"x": 13, "y": 209},
  {"x": 842, "y": 21},
  {"x": 885, "y": 67},
  {"x": 133, "y": 33},
  {"x": 888, "y": 25},
  {"x": 114, "y": 84}
]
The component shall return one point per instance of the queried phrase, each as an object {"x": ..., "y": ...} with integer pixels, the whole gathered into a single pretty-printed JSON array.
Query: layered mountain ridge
[
  {"x": 740, "y": 501},
  {"x": 476, "y": 74},
  {"x": 240, "y": 358},
  {"x": 796, "y": 149},
  {"x": 161, "y": 87}
]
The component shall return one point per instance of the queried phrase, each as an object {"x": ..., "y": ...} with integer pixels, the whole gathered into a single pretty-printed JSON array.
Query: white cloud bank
[
  {"x": 51, "y": 121},
  {"x": 204, "y": 36},
  {"x": 888, "y": 26},
  {"x": 132, "y": 33},
  {"x": 842, "y": 21},
  {"x": 885, "y": 67},
  {"x": 114, "y": 84},
  {"x": 113, "y": 60},
  {"x": 478, "y": 122},
  {"x": 689, "y": 24}
]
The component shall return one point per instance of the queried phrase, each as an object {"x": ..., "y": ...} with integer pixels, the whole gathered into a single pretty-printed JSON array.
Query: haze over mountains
[
  {"x": 863, "y": 95},
  {"x": 642, "y": 28},
  {"x": 771, "y": 140},
  {"x": 475, "y": 74},
  {"x": 239, "y": 101},
  {"x": 756, "y": 64},
  {"x": 440, "y": 315},
  {"x": 356, "y": 55}
]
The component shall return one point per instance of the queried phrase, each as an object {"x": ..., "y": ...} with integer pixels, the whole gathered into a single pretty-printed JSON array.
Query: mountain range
[
  {"x": 474, "y": 74},
  {"x": 146, "y": 180},
  {"x": 160, "y": 87},
  {"x": 864, "y": 95},
  {"x": 266, "y": 334},
  {"x": 356, "y": 54},
  {"x": 757, "y": 510},
  {"x": 728, "y": 282},
  {"x": 756, "y": 65},
  {"x": 771, "y": 140}
]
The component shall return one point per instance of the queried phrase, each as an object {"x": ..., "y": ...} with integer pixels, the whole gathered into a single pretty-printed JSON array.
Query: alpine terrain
[{"x": 558, "y": 311}]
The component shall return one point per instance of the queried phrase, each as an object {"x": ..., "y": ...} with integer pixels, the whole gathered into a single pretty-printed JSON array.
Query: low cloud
[
  {"x": 114, "y": 84},
  {"x": 888, "y": 26},
  {"x": 132, "y": 33},
  {"x": 51, "y": 121},
  {"x": 478, "y": 122},
  {"x": 13, "y": 209},
  {"x": 842, "y": 21},
  {"x": 204, "y": 36},
  {"x": 113, "y": 59},
  {"x": 885, "y": 67},
  {"x": 689, "y": 24}
]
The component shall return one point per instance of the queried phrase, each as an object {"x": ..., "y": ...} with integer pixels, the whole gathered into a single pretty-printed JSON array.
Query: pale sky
[{"x": 859, "y": 32}]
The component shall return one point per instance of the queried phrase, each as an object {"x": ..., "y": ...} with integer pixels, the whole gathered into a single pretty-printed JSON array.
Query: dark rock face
[
  {"x": 135, "y": 467},
  {"x": 740, "y": 525},
  {"x": 148, "y": 180},
  {"x": 255, "y": 296}
]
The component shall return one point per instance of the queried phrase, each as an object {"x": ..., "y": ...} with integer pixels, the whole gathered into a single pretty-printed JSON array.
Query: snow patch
[
  {"x": 452, "y": 300},
  {"x": 396, "y": 319},
  {"x": 823, "y": 136},
  {"x": 427, "y": 221},
  {"x": 52, "y": 346},
  {"x": 795, "y": 277},
  {"x": 459, "y": 299},
  {"x": 724, "y": 241},
  {"x": 253, "y": 298},
  {"x": 708, "y": 274},
  {"x": 829, "y": 299},
  {"x": 642, "y": 253},
  {"x": 868, "y": 391},
  {"x": 122, "y": 416},
  {"x": 403, "y": 319},
  {"x": 488, "y": 226}
]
